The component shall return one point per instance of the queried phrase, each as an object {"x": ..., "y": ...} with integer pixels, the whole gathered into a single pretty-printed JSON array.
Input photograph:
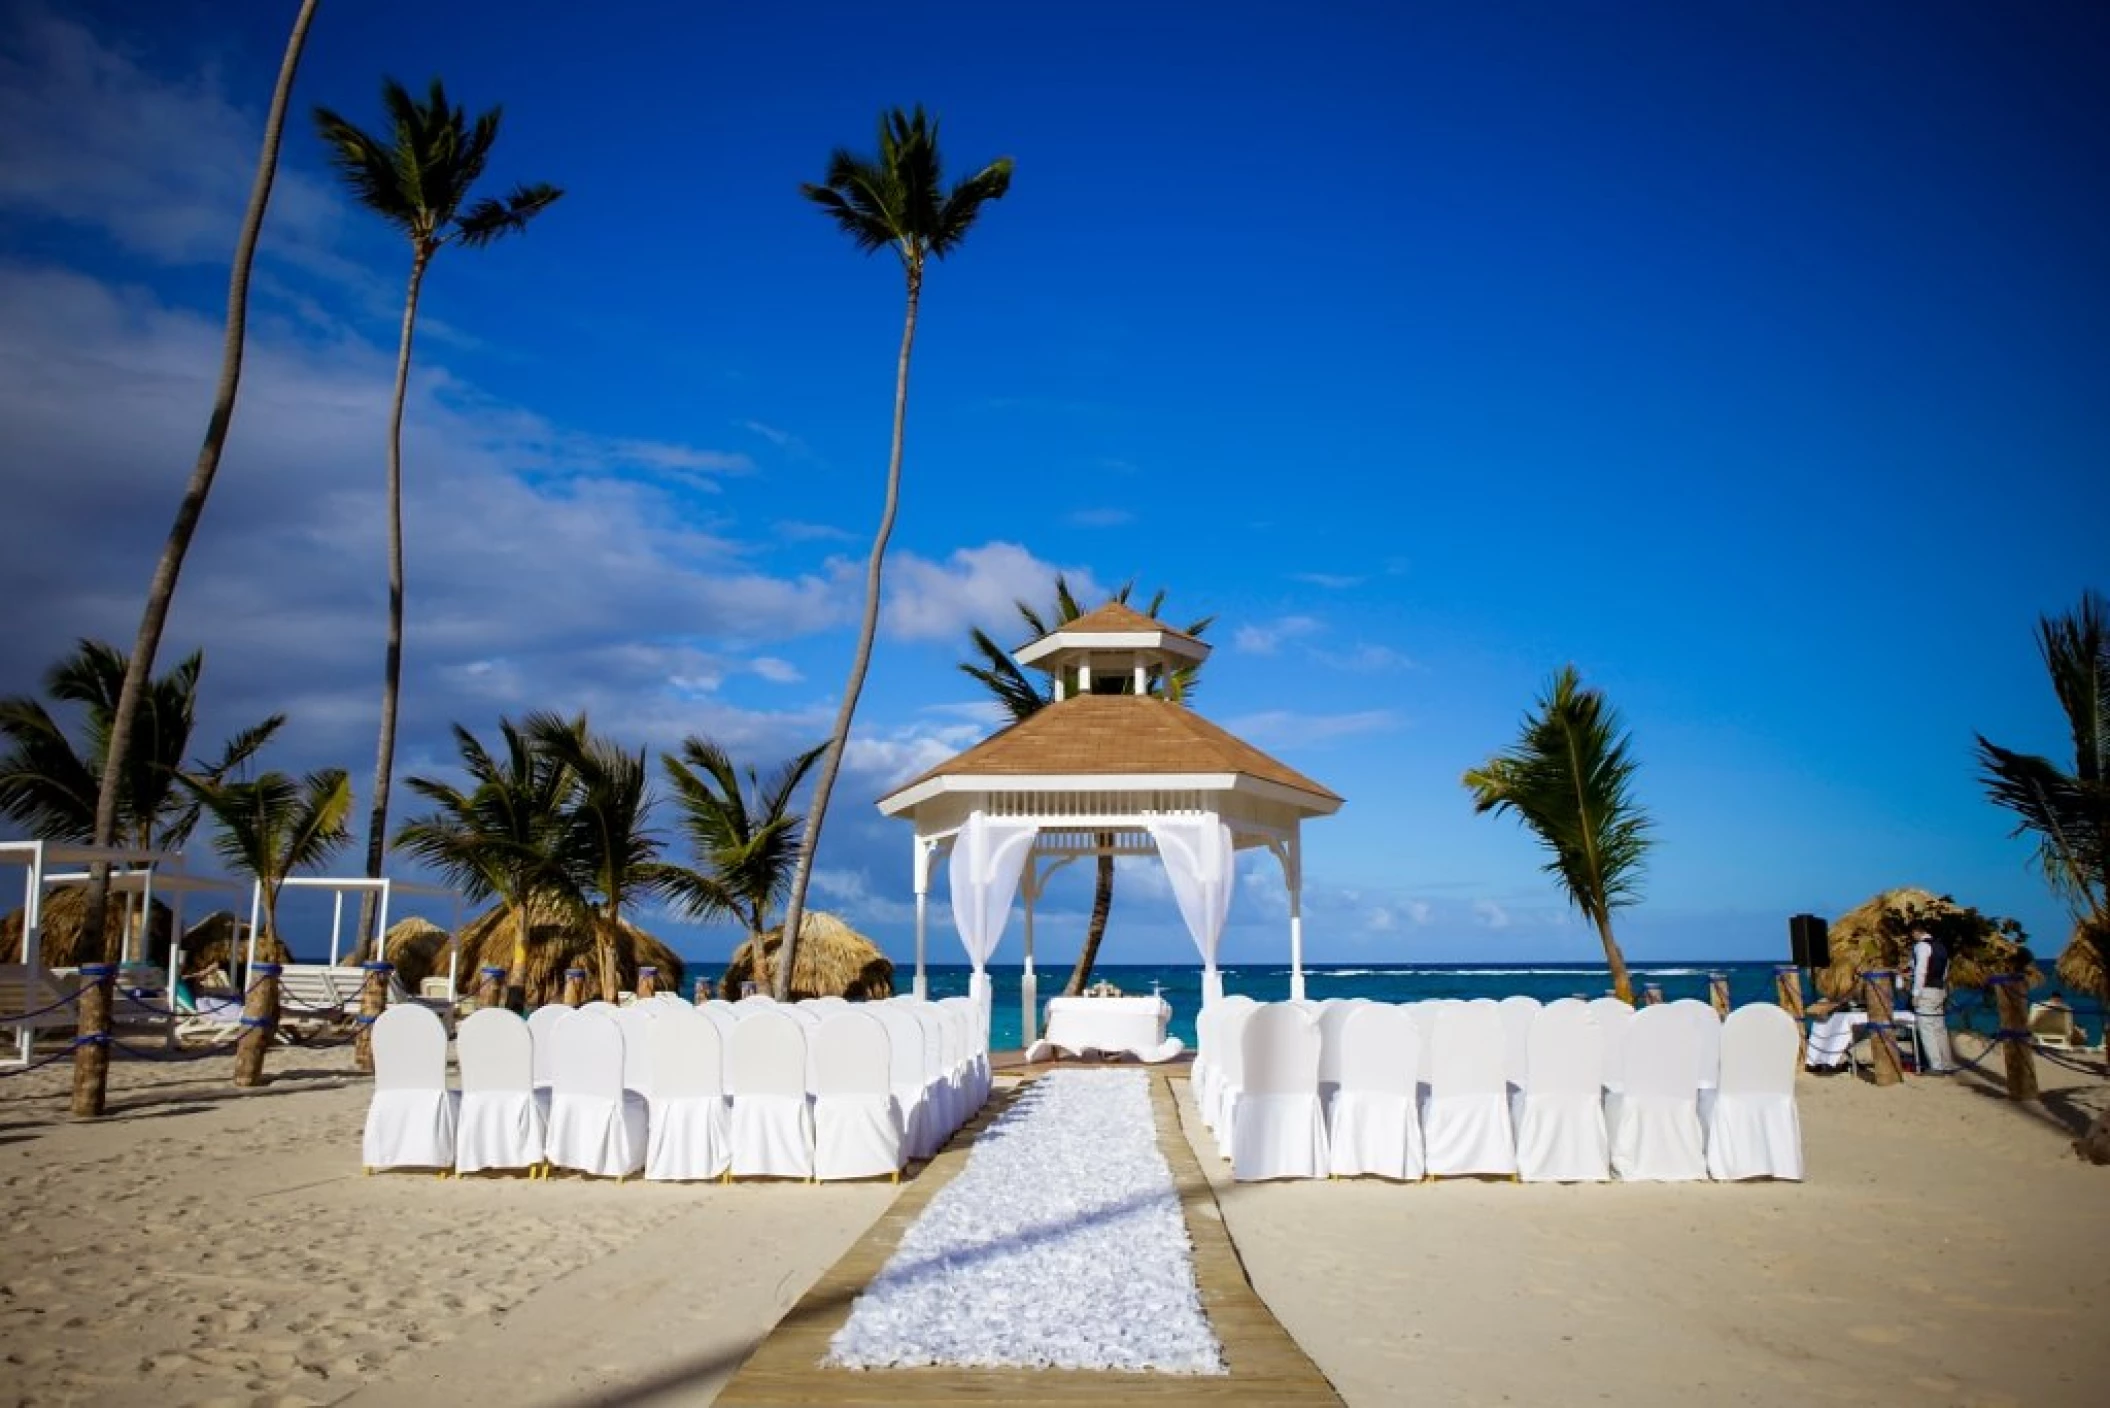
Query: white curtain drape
[
  {"x": 987, "y": 857},
  {"x": 1200, "y": 863}
]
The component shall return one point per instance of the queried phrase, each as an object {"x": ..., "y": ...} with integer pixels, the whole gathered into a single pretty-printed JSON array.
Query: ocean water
[{"x": 1181, "y": 985}]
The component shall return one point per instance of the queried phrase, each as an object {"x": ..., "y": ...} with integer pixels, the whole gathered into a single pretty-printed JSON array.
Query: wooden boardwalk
[{"x": 1267, "y": 1367}]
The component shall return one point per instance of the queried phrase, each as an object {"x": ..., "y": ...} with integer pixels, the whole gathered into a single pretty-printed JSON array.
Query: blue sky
[{"x": 1750, "y": 358}]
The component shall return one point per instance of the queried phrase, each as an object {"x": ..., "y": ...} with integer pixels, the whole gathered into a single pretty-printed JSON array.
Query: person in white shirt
[{"x": 1930, "y": 1000}]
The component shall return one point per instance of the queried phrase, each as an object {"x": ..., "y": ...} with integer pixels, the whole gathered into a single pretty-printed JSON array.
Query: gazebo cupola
[
  {"x": 1113, "y": 765},
  {"x": 1113, "y": 650}
]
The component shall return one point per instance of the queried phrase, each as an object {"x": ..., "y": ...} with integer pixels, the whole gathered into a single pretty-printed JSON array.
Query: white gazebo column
[
  {"x": 1028, "y": 980},
  {"x": 922, "y": 867},
  {"x": 1293, "y": 864}
]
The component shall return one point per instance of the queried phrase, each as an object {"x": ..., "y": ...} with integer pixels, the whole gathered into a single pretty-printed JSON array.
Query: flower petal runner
[{"x": 1060, "y": 1245}]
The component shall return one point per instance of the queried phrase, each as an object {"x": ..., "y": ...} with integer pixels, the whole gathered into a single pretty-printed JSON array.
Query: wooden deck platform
[{"x": 1267, "y": 1366}]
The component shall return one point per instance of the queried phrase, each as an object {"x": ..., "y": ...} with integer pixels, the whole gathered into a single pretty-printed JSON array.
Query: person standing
[{"x": 1930, "y": 1000}]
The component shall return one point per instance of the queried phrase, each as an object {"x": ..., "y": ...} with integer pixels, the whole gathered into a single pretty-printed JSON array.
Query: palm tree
[
  {"x": 605, "y": 855},
  {"x": 499, "y": 838},
  {"x": 2068, "y": 813},
  {"x": 895, "y": 200},
  {"x": 1023, "y": 696},
  {"x": 418, "y": 181},
  {"x": 1569, "y": 779},
  {"x": 276, "y": 825},
  {"x": 91, "y": 1057},
  {"x": 744, "y": 835},
  {"x": 50, "y": 785}
]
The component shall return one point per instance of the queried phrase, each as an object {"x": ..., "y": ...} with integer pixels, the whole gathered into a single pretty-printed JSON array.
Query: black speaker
[{"x": 1809, "y": 939}]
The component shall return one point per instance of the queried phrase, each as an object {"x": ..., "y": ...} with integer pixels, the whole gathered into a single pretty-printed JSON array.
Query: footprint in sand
[{"x": 1878, "y": 1334}]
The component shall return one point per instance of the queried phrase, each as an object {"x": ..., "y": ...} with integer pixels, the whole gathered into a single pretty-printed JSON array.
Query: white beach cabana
[
  {"x": 1107, "y": 769},
  {"x": 384, "y": 889}
]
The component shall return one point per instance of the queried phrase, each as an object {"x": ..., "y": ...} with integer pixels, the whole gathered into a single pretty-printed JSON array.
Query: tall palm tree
[
  {"x": 1022, "y": 696},
  {"x": 50, "y": 784},
  {"x": 499, "y": 838},
  {"x": 742, "y": 831},
  {"x": 91, "y": 1058},
  {"x": 276, "y": 825},
  {"x": 1569, "y": 779},
  {"x": 895, "y": 199},
  {"x": 2068, "y": 813},
  {"x": 606, "y": 856},
  {"x": 418, "y": 180}
]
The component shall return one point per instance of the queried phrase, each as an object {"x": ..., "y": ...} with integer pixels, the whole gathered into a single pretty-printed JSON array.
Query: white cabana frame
[{"x": 383, "y": 888}]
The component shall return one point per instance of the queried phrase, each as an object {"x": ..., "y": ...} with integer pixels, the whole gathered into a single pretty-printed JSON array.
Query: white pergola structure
[{"x": 1107, "y": 769}]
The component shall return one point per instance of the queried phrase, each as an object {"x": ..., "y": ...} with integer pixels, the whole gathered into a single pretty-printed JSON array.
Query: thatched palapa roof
[
  {"x": 2081, "y": 966},
  {"x": 1877, "y": 934},
  {"x": 556, "y": 941},
  {"x": 65, "y": 910},
  {"x": 833, "y": 960},
  {"x": 220, "y": 940}
]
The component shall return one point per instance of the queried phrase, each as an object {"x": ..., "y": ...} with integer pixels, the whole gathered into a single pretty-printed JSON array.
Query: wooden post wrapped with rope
[
  {"x": 1787, "y": 991},
  {"x": 2013, "y": 1002},
  {"x": 1651, "y": 994},
  {"x": 491, "y": 986},
  {"x": 259, "y": 1024},
  {"x": 373, "y": 1001},
  {"x": 1718, "y": 994},
  {"x": 574, "y": 987},
  {"x": 1885, "y": 1060},
  {"x": 91, "y": 1061},
  {"x": 647, "y": 980},
  {"x": 703, "y": 990}
]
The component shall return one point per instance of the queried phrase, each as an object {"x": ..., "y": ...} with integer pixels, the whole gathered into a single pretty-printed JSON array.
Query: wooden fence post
[
  {"x": 703, "y": 990},
  {"x": 2014, "y": 1038},
  {"x": 259, "y": 1024},
  {"x": 1787, "y": 991},
  {"x": 91, "y": 1035},
  {"x": 1877, "y": 985},
  {"x": 490, "y": 986},
  {"x": 373, "y": 1001},
  {"x": 574, "y": 987},
  {"x": 1718, "y": 993},
  {"x": 647, "y": 980},
  {"x": 1651, "y": 994}
]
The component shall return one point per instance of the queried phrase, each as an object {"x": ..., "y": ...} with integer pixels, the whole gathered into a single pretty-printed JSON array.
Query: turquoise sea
[{"x": 1403, "y": 982}]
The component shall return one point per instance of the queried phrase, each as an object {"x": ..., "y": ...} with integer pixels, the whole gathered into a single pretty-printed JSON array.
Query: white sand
[
  {"x": 1947, "y": 1249},
  {"x": 207, "y": 1245}
]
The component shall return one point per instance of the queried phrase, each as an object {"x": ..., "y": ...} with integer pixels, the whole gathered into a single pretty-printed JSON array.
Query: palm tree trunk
[
  {"x": 392, "y": 673},
  {"x": 604, "y": 947},
  {"x": 516, "y": 975},
  {"x": 1102, "y": 906},
  {"x": 1622, "y": 985},
  {"x": 91, "y": 1060},
  {"x": 795, "y": 905}
]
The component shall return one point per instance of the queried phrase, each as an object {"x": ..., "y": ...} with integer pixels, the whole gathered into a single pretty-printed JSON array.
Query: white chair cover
[
  {"x": 595, "y": 1125},
  {"x": 941, "y": 1101},
  {"x": 542, "y": 1026},
  {"x": 1425, "y": 1013},
  {"x": 1277, "y": 1129},
  {"x": 1224, "y": 1031},
  {"x": 856, "y": 1124},
  {"x": 1658, "y": 1138},
  {"x": 1518, "y": 1013},
  {"x": 1708, "y": 1028},
  {"x": 410, "y": 1120},
  {"x": 765, "y": 1072},
  {"x": 1466, "y": 1129},
  {"x": 636, "y": 1021},
  {"x": 691, "y": 1134},
  {"x": 1561, "y": 1138},
  {"x": 905, "y": 1074},
  {"x": 1333, "y": 1020},
  {"x": 1615, "y": 1020},
  {"x": 971, "y": 1021},
  {"x": 501, "y": 1124},
  {"x": 1230, "y": 1070},
  {"x": 1374, "y": 1126},
  {"x": 1756, "y": 1130}
]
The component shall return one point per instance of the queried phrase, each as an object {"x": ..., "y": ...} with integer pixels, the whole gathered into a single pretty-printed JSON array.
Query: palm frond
[
  {"x": 897, "y": 198},
  {"x": 490, "y": 219}
]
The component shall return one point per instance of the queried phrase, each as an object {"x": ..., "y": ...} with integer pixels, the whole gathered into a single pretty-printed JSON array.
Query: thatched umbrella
[
  {"x": 2081, "y": 966},
  {"x": 418, "y": 948},
  {"x": 1878, "y": 934},
  {"x": 220, "y": 940},
  {"x": 558, "y": 940},
  {"x": 65, "y": 913},
  {"x": 830, "y": 960}
]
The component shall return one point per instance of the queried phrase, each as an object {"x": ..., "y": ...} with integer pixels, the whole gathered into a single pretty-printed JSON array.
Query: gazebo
[{"x": 1108, "y": 768}]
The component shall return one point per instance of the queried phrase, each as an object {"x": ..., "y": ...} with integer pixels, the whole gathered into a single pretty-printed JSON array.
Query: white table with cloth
[
  {"x": 1108, "y": 1026},
  {"x": 1832, "y": 1037}
]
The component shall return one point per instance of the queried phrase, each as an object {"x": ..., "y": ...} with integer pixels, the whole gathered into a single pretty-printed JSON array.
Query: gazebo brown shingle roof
[
  {"x": 1116, "y": 735},
  {"x": 1116, "y": 618}
]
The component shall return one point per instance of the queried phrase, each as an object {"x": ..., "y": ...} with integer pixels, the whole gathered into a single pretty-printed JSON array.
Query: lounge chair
[
  {"x": 2051, "y": 1024},
  {"x": 34, "y": 1000}
]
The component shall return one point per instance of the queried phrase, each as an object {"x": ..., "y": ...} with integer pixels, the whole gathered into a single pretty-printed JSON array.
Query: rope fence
[{"x": 192, "y": 1052}]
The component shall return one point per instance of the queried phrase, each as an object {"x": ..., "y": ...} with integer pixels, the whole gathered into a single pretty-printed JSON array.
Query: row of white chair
[
  {"x": 679, "y": 1092},
  {"x": 1306, "y": 1090}
]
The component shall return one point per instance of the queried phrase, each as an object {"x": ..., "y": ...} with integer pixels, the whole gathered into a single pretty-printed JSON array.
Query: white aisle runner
[{"x": 1060, "y": 1245}]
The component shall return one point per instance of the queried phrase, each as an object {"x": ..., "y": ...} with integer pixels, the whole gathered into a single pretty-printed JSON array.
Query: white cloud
[
  {"x": 1489, "y": 915},
  {"x": 927, "y": 600},
  {"x": 774, "y": 670},
  {"x": 1331, "y": 581},
  {"x": 1265, "y": 638},
  {"x": 1365, "y": 659}
]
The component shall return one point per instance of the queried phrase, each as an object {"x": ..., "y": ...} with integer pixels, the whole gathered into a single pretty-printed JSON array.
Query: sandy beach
[{"x": 202, "y": 1245}]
